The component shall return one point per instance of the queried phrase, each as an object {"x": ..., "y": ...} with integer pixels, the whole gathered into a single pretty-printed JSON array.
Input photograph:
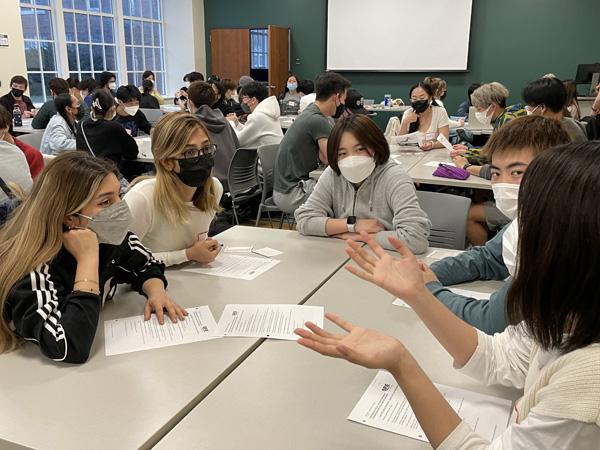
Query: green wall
[{"x": 512, "y": 41}]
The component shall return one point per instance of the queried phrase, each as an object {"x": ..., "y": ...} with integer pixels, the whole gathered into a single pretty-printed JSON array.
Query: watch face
[{"x": 351, "y": 220}]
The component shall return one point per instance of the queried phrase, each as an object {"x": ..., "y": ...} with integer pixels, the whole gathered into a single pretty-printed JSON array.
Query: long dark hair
[
  {"x": 427, "y": 88},
  {"x": 556, "y": 291},
  {"x": 61, "y": 102}
]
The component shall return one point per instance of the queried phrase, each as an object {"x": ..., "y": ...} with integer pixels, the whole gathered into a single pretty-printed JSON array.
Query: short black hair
[
  {"x": 148, "y": 73},
  {"x": 88, "y": 84},
  {"x": 550, "y": 92},
  {"x": 330, "y": 83},
  {"x": 105, "y": 78},
  {"x": 128, "y": 93},
  {"x": 306, "y": 87},
  {"x": 73, "y": 82},
  {"x": 19, "y": 79},
  {"x": 193, "y": 76},
  {"x": 58, "y": 86},
  {"x": 472, "y": 89},
  {"x": 255, "y": 89}
]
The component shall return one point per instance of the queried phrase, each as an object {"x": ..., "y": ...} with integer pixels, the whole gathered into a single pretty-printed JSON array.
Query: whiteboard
[{"x": 398, "y": 35}]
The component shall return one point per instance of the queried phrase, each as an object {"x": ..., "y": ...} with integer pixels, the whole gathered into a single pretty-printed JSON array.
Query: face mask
[
  {"x": 510, "y": 243},
  {"x": 112, "y": 86},
  {"x": 292, "y": 86},
  {"x": 507, "y": 197},
  {"x": 17, "y": 92},
  {"x": 246, "y": 108},
  {"x": 482, "y": 116},
  {"x": 131, "y": 110},
  {"x": 420, "y": 106},
  {"x": 111, "y": 224},
  {"x": 356, "y": 169},
  {"x": 194, "y": 172}
]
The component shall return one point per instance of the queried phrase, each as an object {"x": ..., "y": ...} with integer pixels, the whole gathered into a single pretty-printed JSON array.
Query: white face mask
[
  {"x": 131, "y": 110},
  {"x": 112, "y": 86},
  {"x": 482, "y": 116},
  {"x": 356, "y": 169},
  {"x": 507, "y": 198},
  {"x": 510, "y": 244}
]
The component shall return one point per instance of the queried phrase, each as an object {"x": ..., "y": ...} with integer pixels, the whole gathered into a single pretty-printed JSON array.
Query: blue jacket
[{"x": 479, "y": 263}]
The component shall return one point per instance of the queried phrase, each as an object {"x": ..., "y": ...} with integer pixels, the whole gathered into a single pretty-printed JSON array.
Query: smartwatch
[
  {"x": 351, "y": 224},
  {"x": 467, "y": 165}
]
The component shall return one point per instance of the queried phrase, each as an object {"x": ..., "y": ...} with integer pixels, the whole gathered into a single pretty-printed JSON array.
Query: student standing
[{"x": 64, "y": 251}]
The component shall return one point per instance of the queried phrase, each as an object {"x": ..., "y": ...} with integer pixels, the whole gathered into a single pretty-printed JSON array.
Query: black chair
[{"x": 242, "y": 178}]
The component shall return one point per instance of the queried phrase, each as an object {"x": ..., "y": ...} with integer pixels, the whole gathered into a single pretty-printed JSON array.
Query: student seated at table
[
  {"x": 424, "y": 116},
  {"x": 63, "y": 252},
  {"x": 550, "y": 351},
  {"x": 201, "y": 97},
  {"x": 86, "y": 87},
  {"x": 148, "y": 75},
  {"x": 34, "y": 158},
  {"x": 572, "y": 104},
  {"x": 231, "y": 97},
  {"x": 74, "y": 83},
  {"x": 438, "y": 87},
  {"x": 463, "y": 108},
  {"x": 511, "y": 149},
  {"x": 362, "y": 190},
  {"x": 16, "y": 96},
  {"x": 48, "y": 110},
  {"x": 15, "y": 175},
  {"x": 305, "y": 143},
  {"x": 307, "y": 89},
  {"x": 108, "y": 80},
  {"x": 172, "y": 212},
  {"x": 59, "y": 135},
  {"x": 147, "y": 100},
  {"x": 263, "y": 126},
  {"x": 489, "y": 101},
  {"x": 219, "y": 101},
  {"x": 128, "y": 111},
  {"x": 290, "y": 92},
  {"x": 548, "y": 97},
  {"x": 105, "y": 138}
]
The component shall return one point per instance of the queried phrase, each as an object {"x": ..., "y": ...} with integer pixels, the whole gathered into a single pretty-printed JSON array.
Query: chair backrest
[
  {"x": 448, "y": 215},
  {"x": 152, "y": 114},
  {"x": 243, "y": 171},
  {"x": 267, "y": 155},
  {"x": 33, "y": 139}
]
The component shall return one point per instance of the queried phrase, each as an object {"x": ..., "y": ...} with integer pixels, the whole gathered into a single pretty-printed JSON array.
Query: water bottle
[
  {"x": 17, "y": 118},
  {"x": 387, "y": 100}
]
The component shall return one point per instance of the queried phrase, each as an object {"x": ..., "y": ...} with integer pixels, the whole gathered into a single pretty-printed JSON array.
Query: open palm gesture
[
  {"x": 401, "y": 277},
  {"x": 361, "y": 346}
]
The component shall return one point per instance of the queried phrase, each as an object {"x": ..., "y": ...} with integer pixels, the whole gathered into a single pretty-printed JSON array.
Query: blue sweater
[{"x": 479, "y": 263}]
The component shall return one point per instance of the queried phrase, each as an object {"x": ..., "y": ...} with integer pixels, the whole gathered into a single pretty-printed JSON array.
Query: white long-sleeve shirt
[
  {"x": 513, "y": 359},
  {"x": 262, "y": 126},
  {"x": 167, "y": 241}
]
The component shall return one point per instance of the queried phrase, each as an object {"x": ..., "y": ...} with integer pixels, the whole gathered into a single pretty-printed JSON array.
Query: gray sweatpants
[{"x": 289, "y": 202}]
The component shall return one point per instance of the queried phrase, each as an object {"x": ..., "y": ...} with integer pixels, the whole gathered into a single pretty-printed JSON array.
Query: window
[
  {"x": 39, "y": 38},
  {"x": 259, "y": 42},
  {"x": 90, "y": 37},
  {"x": 90, "y": 41},
  {"x": 142, "y": 24}
]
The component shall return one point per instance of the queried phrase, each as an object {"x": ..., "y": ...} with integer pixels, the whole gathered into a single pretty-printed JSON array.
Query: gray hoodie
[
  {"x": 223, "y": 136},
  {"x": 387, "y": 195}
]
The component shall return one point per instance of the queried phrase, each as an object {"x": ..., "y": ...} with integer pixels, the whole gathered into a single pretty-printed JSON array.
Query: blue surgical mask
[{"x": 292, "y": 86}]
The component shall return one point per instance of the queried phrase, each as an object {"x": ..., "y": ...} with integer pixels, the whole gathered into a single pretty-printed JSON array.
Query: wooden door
[
  {"x": 230, "y": 53},
  {"x": 279, "y": 58}
]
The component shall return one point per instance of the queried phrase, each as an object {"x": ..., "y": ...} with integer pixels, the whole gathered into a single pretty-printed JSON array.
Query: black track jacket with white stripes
[{"x": 44, "y": 309}]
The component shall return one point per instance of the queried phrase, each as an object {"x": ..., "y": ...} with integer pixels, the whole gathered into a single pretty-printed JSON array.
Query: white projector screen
[{"x": 398, "y": 35}]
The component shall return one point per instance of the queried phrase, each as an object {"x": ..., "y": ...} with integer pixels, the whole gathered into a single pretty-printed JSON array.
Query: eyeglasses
[{"x": 196, "y": 153}]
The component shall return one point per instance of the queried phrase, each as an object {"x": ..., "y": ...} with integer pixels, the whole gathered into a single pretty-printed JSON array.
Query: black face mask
[
  {"x": 339, "y": 111},
  {"x": 17, "y": 92},
  {"x": 420, "y": 106},
  {"x": 194, "y": 172}
]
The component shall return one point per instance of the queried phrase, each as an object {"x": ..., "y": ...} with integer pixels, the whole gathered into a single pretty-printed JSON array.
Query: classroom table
[
  {"x": 26, "y": 128},
  {"x": 285, "y": 397},
  {"x": 421, "y": 173},
  {"x": 130, "y": 401},
  {"x": 286, "y": 121}
]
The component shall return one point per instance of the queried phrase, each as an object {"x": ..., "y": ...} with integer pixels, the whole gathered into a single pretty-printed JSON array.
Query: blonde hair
[
  {"x": 169, "y": 138},
  {"x": 34, "y": 234},
  {"x": 489, "y": 93}
]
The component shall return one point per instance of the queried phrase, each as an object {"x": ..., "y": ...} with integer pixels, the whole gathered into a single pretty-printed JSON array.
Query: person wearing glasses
[{"x": 172, "y": 212}]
